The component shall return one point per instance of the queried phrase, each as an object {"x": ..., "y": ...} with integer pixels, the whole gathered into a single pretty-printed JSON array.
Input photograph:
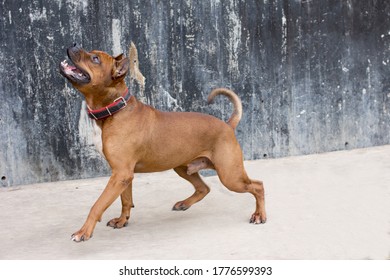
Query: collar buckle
[{"x": 123, "y": 100}]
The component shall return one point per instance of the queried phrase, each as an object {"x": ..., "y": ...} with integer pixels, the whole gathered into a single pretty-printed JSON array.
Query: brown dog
[{"x": 139, "y": 138}]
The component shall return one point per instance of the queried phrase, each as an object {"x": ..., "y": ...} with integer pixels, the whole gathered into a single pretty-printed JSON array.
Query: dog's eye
[{"x": 95, "y": 59}]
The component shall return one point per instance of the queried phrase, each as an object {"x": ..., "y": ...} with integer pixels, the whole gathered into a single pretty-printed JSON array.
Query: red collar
[{"x": 116, "y": 106}]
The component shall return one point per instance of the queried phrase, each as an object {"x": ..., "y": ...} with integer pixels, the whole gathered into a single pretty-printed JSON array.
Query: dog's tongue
[{"x": 70, "y": 68}]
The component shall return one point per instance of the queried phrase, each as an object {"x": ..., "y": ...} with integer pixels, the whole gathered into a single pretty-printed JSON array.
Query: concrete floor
[{"x": 328, "y": 206}]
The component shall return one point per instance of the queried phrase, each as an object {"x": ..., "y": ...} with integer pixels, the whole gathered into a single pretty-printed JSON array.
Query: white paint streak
[
  {"x": 340, "y": 106},
  {"x": 36, "y": 15},
  {"x": 137, "y": 16},
  {"x": 284, "y": 36},
  {"x": 116, "y": 36},
  {"x": 190, "y": 39},
  {"x": 80, "y": 4},
  {"x": 368, "y": 72},
  {"x": 168, "y": 101},
  {"x": 303, "y": 112},
  {"x": 234, "y": 39},
  {"x": 90, "y": 133}
]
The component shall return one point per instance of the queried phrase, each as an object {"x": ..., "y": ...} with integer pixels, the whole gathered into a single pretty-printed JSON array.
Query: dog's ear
[{"x": 121, "y": 67}]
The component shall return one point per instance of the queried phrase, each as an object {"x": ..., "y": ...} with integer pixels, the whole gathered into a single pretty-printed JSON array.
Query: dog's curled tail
[{"x": 237, "y": 113}]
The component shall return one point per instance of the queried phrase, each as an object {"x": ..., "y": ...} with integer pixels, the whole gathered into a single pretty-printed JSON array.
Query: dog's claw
[
  {"x": 75, "y": 239},
  {"x": 116, "y": 223},
  {"x": 79, "y": 237},
  {"x": 180, "y": 206},
  {"x": 256, "y": 219}
]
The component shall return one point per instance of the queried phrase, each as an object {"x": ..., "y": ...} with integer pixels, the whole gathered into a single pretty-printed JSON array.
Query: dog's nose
[
  {"x": 75, "y": 46},
  {"x": 74, "y": 51}
]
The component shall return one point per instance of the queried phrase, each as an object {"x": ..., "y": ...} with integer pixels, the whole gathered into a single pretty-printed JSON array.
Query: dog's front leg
[
  {"x": 127, "y": 204},
  {"x": 118, "y": 182}
]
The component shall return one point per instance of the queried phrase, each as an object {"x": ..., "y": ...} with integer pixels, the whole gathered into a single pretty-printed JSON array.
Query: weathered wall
[{"x": 313, "y": 75}]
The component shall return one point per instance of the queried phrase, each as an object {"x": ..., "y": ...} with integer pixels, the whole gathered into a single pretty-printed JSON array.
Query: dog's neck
[{"x": 101, "y": 99}]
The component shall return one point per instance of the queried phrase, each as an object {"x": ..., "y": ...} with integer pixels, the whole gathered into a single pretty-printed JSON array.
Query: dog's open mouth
[{"x": 73, "y": 73}]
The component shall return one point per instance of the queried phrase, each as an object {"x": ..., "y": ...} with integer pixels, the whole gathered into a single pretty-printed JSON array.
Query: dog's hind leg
[
  {"x": 241, "y": 183},
  {"x": 127, "y": 204},
  {"x": 230, "y": 169},
  {"x": 201, "y": 189}
]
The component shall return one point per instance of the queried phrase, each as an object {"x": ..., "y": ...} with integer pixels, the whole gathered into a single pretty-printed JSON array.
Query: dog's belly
[
  {"x": 144, "y": 167},
  {"x": 194, "y": 164},
  {"x": 141, "y": 167}
]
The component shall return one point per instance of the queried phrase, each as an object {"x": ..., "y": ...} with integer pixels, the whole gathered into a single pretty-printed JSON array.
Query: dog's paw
[
  {"x": 80, "y": 236},
  {"x": 180, "y": 206},
  {"x": 118, "y": 223},
  {"x": 257, "y": 219}
]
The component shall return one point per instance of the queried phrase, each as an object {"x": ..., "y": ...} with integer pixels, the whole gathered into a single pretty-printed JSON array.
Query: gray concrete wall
[{"x": 313, "y": 76}]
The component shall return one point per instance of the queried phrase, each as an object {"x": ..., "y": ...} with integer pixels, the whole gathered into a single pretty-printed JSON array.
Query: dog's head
[{"x": 94, "y": 71}]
